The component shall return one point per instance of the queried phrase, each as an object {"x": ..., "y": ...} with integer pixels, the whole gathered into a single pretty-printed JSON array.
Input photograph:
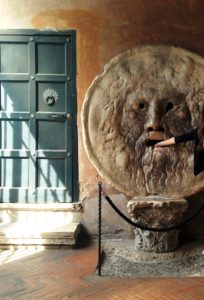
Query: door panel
[
  {"x": 15, "y": 134},
  {"x": 57, "y": 90},
  {"x": 46, "y": 57},
  {"x": 10, "y": 170},
  {"x": 14, "y": 58},
  {"x": 51, "y": 173},
  {"x": 36, "y": 148},
  {"x": 14, "y": 96},
  {"x": 54, "y": 141}
]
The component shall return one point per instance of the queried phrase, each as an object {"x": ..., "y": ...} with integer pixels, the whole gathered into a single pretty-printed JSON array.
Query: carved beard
[{"x": 163, "y": 166}]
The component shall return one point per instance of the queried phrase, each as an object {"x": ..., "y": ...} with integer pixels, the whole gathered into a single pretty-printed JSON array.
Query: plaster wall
[{"x": 105, "y": 28}]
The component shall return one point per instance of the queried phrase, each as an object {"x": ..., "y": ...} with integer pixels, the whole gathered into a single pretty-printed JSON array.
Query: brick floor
[{"x": 70, "y": 274}]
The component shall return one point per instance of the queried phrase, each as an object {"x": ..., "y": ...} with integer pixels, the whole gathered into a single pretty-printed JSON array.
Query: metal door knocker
[{"x": 50, "y": 96}]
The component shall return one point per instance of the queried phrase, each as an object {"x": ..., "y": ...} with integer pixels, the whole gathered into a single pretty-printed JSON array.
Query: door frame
[{"x": 73, "y": 95}]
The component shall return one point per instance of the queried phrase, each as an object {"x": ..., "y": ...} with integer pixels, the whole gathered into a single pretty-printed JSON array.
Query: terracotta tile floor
[{"x": 69, "y": 274}]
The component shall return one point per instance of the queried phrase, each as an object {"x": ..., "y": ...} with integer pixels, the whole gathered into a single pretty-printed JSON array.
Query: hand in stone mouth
[{"x": 155, "y": 137}]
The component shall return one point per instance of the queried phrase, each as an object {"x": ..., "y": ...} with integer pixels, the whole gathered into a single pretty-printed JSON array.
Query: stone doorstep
[
  {"x": 21, "y": 234},
  {"x": 64, "y": 207}
]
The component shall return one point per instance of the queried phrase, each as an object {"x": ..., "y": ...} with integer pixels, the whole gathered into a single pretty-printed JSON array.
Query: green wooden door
[{"x": 37, "y": 85}]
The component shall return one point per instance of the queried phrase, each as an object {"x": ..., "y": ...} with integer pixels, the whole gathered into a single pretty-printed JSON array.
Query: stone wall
[{"x": 104, "y": 29}]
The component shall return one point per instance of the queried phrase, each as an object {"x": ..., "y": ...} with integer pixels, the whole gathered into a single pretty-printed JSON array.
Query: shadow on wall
[{"x": 112, "y": 224}]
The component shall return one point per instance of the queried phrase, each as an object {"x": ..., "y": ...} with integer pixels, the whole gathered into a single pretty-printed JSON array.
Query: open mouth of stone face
[
  {"x": 154, "y": 138},
  {"x": 152, "y": 143}
]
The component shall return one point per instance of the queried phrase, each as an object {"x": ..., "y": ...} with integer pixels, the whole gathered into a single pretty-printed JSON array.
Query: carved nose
[
  {"x": 154, "y": 117},
  {"x": 154, "y": 124},
  {"x": 154, "y": 127}
]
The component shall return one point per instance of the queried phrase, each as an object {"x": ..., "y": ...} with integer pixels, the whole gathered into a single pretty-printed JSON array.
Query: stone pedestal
[{"x": 157, "y": 211}]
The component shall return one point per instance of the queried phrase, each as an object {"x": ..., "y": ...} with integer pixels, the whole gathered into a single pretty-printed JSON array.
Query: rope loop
[{"x": 154, "y": 229}]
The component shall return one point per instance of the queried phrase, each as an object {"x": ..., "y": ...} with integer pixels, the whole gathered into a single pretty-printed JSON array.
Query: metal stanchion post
[{"x": 99, "y": 227}]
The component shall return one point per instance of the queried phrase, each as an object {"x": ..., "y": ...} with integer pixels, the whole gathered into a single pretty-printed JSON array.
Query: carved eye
[
  {"x": 141, "y": 105},
  {"x": 169, "y": 106}
]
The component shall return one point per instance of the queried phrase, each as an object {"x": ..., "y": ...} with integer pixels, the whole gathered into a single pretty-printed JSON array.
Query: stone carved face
[{"x": 146, "y": 94}]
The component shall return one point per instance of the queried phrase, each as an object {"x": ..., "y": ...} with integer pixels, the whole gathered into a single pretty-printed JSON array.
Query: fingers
[
  {"x": 160, "y": 144},
  {"x": 157, "y": 145}
]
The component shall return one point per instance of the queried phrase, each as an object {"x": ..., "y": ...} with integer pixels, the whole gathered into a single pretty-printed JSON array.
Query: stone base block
[{"x": 122, "y": 260}]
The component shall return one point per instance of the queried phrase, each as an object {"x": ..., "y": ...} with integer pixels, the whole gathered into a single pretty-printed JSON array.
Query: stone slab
[{"x": 122, "y": 260}]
